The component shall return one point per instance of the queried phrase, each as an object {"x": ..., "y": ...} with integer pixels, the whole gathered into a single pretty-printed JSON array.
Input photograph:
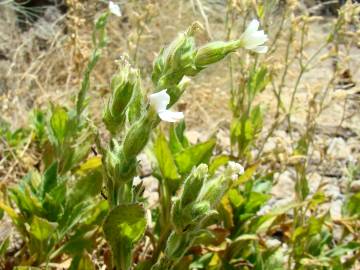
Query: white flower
[
  {"x": 234, "y": 170},
  {"x": 159, "y": 102},
  {"x": 136, "y": 180},
  {"x": 273, "y": 243},
  {"x": 253, "y": 39},
  {"x": 114, "y": 9}
]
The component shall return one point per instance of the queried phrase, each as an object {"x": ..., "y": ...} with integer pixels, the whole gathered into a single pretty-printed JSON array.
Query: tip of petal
[
  {"x": 169, "y": 116},
  {"x": 114, "y": 9},
  {"x": 159, "y": 100},
  {"x": 261, "y": 49},
  {"x": 253, "y": 26}
]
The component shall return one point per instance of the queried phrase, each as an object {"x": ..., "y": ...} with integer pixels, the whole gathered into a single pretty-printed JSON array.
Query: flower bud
[
  {"x": 193, "y": 184},
  {"x": 176, "y": 245},
  {"x": 136, "y": 107},
  {"x": 191, "y": 214},
  {"x": 214, "y": 52},
  {"x": 214, "y": 190},
  {"x": 172, "y": 63},
  {"x": 122, "y": 85},
  {"x": 118, "y": 167},
  {"x": 176, "y": 216},
  {"x": 158, "y": 67},
  {"x": 138, "y": 135}
]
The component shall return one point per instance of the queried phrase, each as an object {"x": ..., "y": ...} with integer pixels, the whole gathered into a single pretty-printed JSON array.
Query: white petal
[
  {"x": 136, "y": 180},
  {"x": 236, "y": 167},
  {"x": 234, "y": 170},
  {"x": 252, "y": 27},
  {"x": 159, "y": 100},
  {"x": 252, "y": 37},
  {"x": 254, "y": 40},
  {"x": 114, "y": 9},
  {"x": 261, "y": 49},
  {"x": 170, "y": 116}
]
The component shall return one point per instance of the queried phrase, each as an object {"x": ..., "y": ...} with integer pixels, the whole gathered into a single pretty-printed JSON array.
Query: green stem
[{"x": 165, "y": 221}]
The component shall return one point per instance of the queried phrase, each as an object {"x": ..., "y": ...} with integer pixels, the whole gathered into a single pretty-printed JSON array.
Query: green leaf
[
  {"x": 82, "y": 240},
  {"x": 42, "y": 237},
  {"x": 136, "y": 105},
  {"x": 302, "y": 187},
  {"x": 4, "y": 245},
  {"x": 165, "y": 158},
  {"x": 123, "y": 228},
  {"x": 256, "y": 200},
  {"x": 175, "y": 142},
  {"x": 217, "y": 162},
  {"x": 41, "y": 229},
  {"x": 50, "y": 179},
  {"x": 179, "y": 132},
  {"x": 53, "y": 202},
  {"x": 257, "y": 82},
  {"x": 59, "y": 122},
  {"x": 38, "y": 120},
  {"x": 11, "y": 212},
  {"x": 194, "y": 155},
  {"x": 201, "y": 262},
  {"x": 249, "y": 130},
  {"x": 343, "y": 249},
  {"x": 26, "y": 195},
  {"x": 235, "y": 130},
  {"x": 351, "y": 206},
  {"x": 235, "y": 197},
  {"x": 85, "y": 187},
  {"x": 256, "y": 117},
  {"x": 82, "y": 262}
]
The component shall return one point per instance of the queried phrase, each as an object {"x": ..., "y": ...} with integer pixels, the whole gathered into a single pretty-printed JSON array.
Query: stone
[
  {"x": 314, "y": 180},
  {"x": 145, "y": 164},
  {"x": 193, "y": 136},
  {"x": 151, "y": 186},
  {"x": 337, "y": 148},
  {"x": 285, "y": 184},
  {"x": 269, "y": 146},
  {"x": 335, "y": 209},
  {"x": 355, "y": 186}
]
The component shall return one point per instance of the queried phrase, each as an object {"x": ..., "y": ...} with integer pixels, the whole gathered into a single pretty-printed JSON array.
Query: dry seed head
[{"x": 194, "y": 27}]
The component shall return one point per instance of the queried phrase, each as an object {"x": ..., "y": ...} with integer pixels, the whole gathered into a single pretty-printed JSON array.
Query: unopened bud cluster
[
  {"x": 182, "y": 58},
  {"x": 196, "y": 205},
  {"x": 124, "y": 85},
  {"x": 135, "y": 116}
]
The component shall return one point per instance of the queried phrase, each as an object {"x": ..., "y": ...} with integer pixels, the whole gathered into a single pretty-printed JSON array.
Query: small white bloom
[
  {"x": 159, "y": 102},
  {"x": 114, "y": 9},
  {"x": 273, "y": 243},
  {"x": 253, "y": 39},
  {"x": 136, "y": 180},
  {"x": 235, "y": 169}
]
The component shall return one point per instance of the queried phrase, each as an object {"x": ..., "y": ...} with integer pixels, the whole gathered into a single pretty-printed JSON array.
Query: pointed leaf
[
  {"x": 50, "y": 179},
  {"x": 165, "y": 158},
  {"x": 85, "y": 187},
  {"x": 194, "y": 155},
  {"x": 59, "y": 122},
  {"x": 42, "y": 229},
  {"x": 82, "y": 262},
  {"x": 124, "y": 227}
]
